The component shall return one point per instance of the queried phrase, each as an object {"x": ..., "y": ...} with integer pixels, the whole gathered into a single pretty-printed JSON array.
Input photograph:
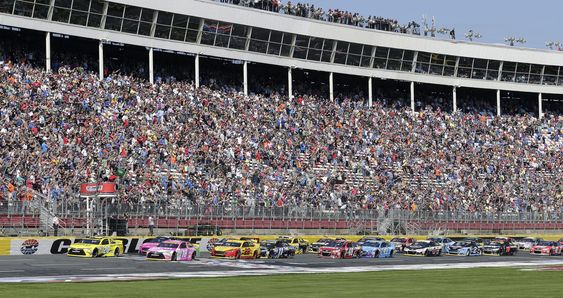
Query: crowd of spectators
[
  {"x": 311, "y": 11},
  {"x": 61, "y": 129}
]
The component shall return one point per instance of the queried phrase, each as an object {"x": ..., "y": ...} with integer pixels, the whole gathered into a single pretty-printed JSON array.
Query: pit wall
[{"x": 59, "y": 245}]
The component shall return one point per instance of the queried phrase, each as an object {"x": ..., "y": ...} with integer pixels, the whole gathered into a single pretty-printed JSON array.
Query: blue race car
[
  {"x": 464, "y": 248},
  {"x": 376, "y": 249}
]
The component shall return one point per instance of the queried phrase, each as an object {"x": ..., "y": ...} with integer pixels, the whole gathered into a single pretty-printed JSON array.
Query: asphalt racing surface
[{"x": 53, "y": 268}]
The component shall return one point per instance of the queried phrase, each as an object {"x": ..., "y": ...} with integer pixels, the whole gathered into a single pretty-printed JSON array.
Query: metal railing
[{"x": 177, "y": 216}]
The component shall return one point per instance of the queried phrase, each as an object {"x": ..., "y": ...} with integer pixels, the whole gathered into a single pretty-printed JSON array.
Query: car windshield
[
  {"x": 336, "y": 244},
  {"x": 168, "y": 245},
  {"x": 371, "y": 244},
  {"x": 232, "y": 244},
  {"x": 89, "y": 241},
  {"x": 546, "y": 243},
  {"x": 463, "y": 243},
  {"x": 156, "y": 240},
  {"x": 324, "y": 240},
  {"x": 421, "y": 244},
  {"x": 399, "y": 240}
]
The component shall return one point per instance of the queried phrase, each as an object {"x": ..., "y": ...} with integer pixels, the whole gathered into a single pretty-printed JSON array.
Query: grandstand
[{"x": 207, "y": 112}]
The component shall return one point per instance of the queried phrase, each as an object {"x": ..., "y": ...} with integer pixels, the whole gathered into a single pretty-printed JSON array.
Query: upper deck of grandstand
[{"x": 251, "y": 35}]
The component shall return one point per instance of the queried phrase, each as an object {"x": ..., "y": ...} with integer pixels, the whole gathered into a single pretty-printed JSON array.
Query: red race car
[
  {"x": 340, "y": 249},
  {"x": 546, "y": 248}
]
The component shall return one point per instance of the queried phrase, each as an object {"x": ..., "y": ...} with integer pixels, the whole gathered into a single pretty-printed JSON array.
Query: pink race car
[
  {"x": 173, "y": 250},
  {"x": 152, "y": 242}
]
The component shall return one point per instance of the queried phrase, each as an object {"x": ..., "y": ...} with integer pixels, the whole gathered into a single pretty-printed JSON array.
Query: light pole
[
  {"x": 511, "y": 40},
  {"x": 553, "y": 45},
  {"x": 472, "y": 35}
]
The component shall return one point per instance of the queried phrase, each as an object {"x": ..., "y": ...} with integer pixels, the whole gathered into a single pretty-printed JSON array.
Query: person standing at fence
[
  {"x": 151, "y": 226},
  {"x": 55, "y": 225}
]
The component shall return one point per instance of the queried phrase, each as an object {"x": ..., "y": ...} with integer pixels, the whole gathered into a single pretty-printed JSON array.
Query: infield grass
[{"x": 490, "y": 282}]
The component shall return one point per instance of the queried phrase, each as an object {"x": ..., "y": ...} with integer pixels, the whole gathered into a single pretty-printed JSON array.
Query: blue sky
[{"x": 537, "y": 21}]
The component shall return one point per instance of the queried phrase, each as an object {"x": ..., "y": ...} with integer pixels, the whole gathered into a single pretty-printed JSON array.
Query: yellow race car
[
  {"x": 237, "y": 249},
  {"x": 96, "y": 247},
  {"x": 301, "y": 245}
]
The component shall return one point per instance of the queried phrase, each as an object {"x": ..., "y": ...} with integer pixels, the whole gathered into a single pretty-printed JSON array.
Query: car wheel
[
  {"x": 116, "y": 252},
  {"x": 193, "y": 255},
  {"x": 391, "y": 253},
  {"x": 95, "y": 253},
  {"x": 426, "y": 253},
  {"x": 467, "y": 253},
  {"x": 238, "y": 255},
  {"x": 439, "y": 253},
  {"x": 376, "y": 254},
  {"x": 174, "y": 257},
  {"x": 255, "y": 255}
]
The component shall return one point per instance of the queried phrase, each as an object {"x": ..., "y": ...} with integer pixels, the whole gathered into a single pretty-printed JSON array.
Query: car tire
[
  {"x": 255, "y": 255},
  {"x": 439, "y": 253},
  {"x": 194, "y": 254},
  {"x": 116, "y": 252},
  {"x": 467, "y": 253},
  {"x": 376, "y": 254},
  {"x": 391, "y": 253},
  {"x": 426, "y": 253},
  {"x": 174, "y": 257},
  {"x": 95, "y": 253},
  {"x": 238, "y": 255}
]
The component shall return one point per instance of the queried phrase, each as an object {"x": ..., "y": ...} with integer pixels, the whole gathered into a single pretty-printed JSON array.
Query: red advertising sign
[{"x": 98, "y": 189}]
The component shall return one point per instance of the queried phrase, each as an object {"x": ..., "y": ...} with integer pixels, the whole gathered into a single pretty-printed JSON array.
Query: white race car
[
  {"x": 425, "y": 248},
  {"x": 527, "y": 243}
]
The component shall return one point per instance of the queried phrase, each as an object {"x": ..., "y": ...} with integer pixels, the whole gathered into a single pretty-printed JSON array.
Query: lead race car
[
  {"x": 463, "y": 248},
  {"x": 172, "y": 250},
  {"x": 96, "y": 247},
  {"x": 424, "y": 248}
]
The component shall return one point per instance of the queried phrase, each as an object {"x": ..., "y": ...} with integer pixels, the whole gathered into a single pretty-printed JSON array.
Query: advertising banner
[{"x": 98, "y": 189}]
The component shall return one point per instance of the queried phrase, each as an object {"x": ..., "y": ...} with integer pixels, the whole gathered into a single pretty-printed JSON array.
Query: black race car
[{"x": 500, "y": 247}]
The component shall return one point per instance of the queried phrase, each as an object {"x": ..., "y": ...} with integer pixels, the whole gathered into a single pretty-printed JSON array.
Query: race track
[{"x": 60, "y": 268}]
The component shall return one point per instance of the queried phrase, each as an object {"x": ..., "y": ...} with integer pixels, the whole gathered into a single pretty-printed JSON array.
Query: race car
[
  {"x": 500, "y": 247},
  {"x": 217, "y": 242},
  {"x": 441, "y": 241},
  {"x": 376, "y": 249},
  {"x": 314, "y": 247},
  {"x": 340, "y": 249},
  {"x": 561, "y": 241},
  {"x": 301, "y": 245},
  {"x": 463, "y": 248},
  {"x": 265, "y": 247},
  {"x": 401, "y": 243},
  {"x": 281, "y": 249},
  {"x": 546, "y": 248},
  {"x": 237, "y": 249},
  {"x": 527, "y": 243},
  {"x": 152, "y": 242},
  {"x": 172, "y": 250},
  {"x": 96, "y": 247},
  {"x": 425, "y": 248}
]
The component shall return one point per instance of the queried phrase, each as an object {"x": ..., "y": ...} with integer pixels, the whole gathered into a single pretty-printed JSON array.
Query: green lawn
[{"x": 473, "y": 283}]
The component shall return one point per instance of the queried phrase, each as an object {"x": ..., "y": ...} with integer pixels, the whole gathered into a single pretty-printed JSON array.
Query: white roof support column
[
  {"x": 245, "y": 77},
  {"x": 151, "y": 65},
  {"x": 498, "y": 102},
  {"x": 412, "y": 97},
  {"x": 48, "y": 52},
  {"x": 289, "y": 83},
  {"x": 331, "y": 86},
  {"x": 540, "y": 106},
  {"x": 454, "y": 98},
  {"x": 100, "y": 60},
  {"x": 370, "y": 91},
  {"x": 196, "y": 70}
]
